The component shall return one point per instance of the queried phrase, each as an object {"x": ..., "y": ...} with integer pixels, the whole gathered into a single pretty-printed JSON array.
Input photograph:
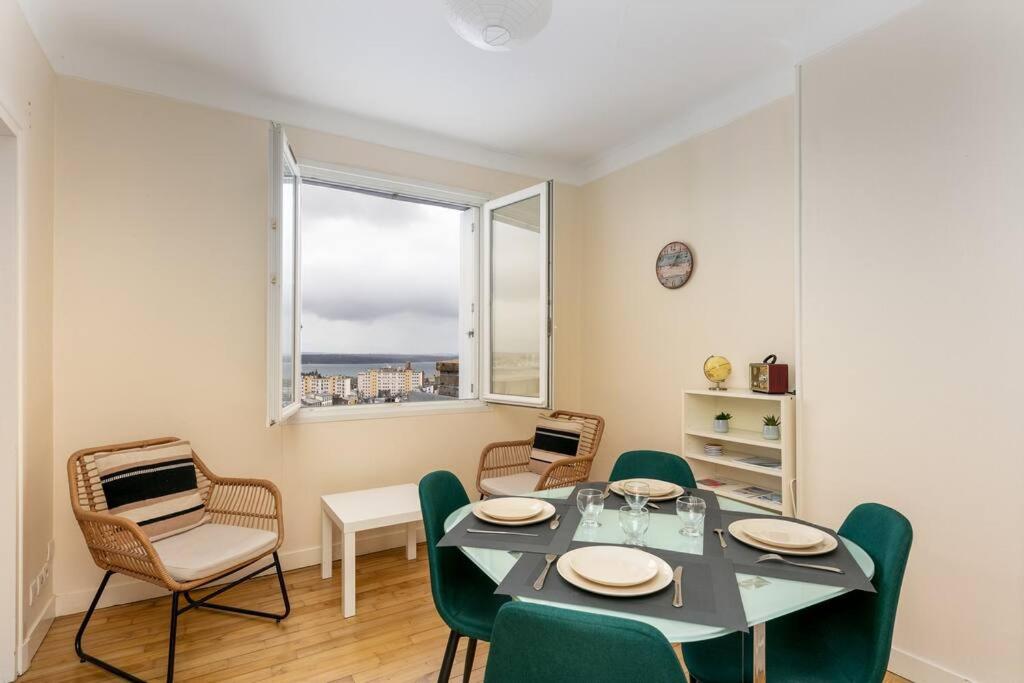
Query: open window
[
  {"x": 516, "y": 297},
  {"x": 283, "y": 290}
]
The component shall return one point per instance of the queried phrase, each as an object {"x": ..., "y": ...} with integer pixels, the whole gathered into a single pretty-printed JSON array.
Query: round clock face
[{"x": 674, "y": 265}]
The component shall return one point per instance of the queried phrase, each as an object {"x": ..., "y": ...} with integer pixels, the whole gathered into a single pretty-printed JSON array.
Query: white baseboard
[
  {"x": 921, "y": 670},
  {"x": 35, "y": 636},
  {"x": 123, "y": 590}
]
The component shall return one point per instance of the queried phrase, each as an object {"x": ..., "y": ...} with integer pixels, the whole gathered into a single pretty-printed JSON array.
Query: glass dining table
[{"x": 763, "y": 598}]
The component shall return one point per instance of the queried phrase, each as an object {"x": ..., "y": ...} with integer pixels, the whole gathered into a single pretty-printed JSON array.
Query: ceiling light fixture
[{"x": 498, "y": 25}]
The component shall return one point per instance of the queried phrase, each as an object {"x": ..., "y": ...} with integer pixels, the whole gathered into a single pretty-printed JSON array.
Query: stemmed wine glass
[{"x": 636, "y": 493}]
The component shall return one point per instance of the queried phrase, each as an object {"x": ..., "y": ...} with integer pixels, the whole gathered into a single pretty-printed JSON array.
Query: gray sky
[{"x": 378, "y": 275}]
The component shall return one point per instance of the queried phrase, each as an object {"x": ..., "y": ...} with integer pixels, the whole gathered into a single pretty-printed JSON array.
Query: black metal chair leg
[
  {"x": 174, "y": 636},
  {"x": 204, "y": 603},
  {"x": 86, "y": 657},
  {"x": 177, "y": 610},
  {"x": 470, "y": 653},
  {"x": 449, "y": 658}
]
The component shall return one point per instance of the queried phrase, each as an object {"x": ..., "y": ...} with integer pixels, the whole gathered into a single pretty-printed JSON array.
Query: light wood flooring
[{"x": 396, "y": 634}]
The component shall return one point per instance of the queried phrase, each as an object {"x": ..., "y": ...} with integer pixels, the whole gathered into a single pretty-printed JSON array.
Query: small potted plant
[
  {"x": 770, "y": 430},
  {"x": 722, "y": 422}
]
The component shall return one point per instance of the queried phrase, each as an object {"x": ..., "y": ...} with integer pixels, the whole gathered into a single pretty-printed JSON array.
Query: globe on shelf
[{"x": 717, "y": 369}]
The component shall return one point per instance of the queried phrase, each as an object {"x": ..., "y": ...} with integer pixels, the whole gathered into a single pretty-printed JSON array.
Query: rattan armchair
[
  {"x": 119, "y": 545},
  {"x": 512, "y": 458}
]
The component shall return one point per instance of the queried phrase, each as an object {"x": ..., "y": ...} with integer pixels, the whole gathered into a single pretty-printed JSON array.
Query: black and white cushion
[
  {"x": 155, "y": 487},
  {"x": 553, "y": 440}
]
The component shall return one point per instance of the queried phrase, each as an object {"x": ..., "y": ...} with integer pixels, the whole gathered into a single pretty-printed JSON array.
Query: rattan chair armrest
[
  {"x": 565, "y": 472},
  {"x": 502, "y": 458},
  {"x": 246, "y": 502},
  {"x": 119, "y": 544}
]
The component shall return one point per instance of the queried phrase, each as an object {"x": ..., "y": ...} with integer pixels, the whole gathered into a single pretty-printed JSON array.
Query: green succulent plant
[
  {"x": 771, "y": 421},
  {"x": 723, "y": 416}
]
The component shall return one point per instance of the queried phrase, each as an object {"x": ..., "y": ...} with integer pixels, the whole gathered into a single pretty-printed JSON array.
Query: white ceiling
[{"x": 606, "y": 83}]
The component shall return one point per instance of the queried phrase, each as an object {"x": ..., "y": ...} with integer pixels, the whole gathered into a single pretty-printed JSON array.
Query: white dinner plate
[
  {"x": 613, "y": 565},
  {"x": 660, "y": 490},
  {"x": 661, "y": 579},
  {"x": 826, "y": 546},
  {"x": 511, "y": 509},
  {"x": 782, "y": 533},
  {"x": 547, "y": 511}
]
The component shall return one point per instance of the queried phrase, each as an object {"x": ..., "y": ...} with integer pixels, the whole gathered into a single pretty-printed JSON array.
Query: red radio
[{"x": 769, "y": 377}]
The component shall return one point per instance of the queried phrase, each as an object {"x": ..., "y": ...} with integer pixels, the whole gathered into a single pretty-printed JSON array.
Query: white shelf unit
[{"x": 742, "y": 441}]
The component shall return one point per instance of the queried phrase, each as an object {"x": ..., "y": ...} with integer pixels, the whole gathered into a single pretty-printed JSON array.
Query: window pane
[
  {"x": 288, "y": 286},
  {"x": 516, "y": 313},
  {"x": 381, "y": 288}
]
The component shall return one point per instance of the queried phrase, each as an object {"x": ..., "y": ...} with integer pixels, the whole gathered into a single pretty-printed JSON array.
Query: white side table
[{"x": 358, "y": 511}]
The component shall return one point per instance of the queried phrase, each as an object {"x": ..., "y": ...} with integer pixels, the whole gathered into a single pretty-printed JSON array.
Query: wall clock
[{"x": 674, "y": 265}]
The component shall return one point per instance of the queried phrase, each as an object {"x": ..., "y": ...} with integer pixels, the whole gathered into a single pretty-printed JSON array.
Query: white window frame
[
  {"x": 280, "y": 155},
  {"x": 345, "y": 177},
  {"x": 544, "y": 321}
]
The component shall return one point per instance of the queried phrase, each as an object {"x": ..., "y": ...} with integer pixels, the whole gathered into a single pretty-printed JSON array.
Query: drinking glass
[
  {"x": 691, "y": 512},
  {"x": 634, "y": 522},
  {"x": 636, "y": 493},
  {"x": 591, "y": 503}
]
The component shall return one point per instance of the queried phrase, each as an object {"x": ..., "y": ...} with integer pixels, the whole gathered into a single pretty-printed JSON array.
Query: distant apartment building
[
  {"x": 378, "y": 382},
  {"x": 315, "y": 384}
]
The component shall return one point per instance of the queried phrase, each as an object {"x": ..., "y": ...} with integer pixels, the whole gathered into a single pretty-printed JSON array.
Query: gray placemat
[
  {"x": 666, "y": 507},
  {"x": 712, "y": 518},
  {"x": 548, "y": 540},
  {"x": 710, "y": 593},
  {"x": 744, "y": 558}
]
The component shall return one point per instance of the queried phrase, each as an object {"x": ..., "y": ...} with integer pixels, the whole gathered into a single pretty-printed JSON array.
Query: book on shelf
[
  {"x": 761, "y": 461},
  {"x": 772, "y": 497},
  {"x": 753, "y": 492}
]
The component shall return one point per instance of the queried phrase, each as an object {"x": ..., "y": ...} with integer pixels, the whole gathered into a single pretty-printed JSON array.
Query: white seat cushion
[
  {"x": 510, "y": 485},
  {"x": 211, "y": 548}
]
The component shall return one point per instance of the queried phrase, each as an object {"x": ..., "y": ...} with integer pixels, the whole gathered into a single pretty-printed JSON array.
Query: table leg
[
  {"x": 348, "y": 575},
  {"x": 760, "y": 647},
  {"x": 326, "y": 546},
  {"x": 410, "y": 541}
]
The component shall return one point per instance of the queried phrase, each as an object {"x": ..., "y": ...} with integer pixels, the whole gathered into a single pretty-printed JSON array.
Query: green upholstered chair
[
  {"x": 653, "y": 465},
  {"x": 543, "y": 644},
  {"x": 844, "y": 639},
  {"x": 463, "y": 595}
]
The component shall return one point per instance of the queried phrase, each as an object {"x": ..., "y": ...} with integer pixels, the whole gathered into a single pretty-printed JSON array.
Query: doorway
[{"x": 10, "y": 398}]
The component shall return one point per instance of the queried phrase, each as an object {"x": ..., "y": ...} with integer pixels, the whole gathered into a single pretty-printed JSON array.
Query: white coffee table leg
[
  {"x": 410, "y": 541},
  {"x": 326, "y": 546},
  {"x": 348, "y": 575},
  {"x": 760, "y": 647}
]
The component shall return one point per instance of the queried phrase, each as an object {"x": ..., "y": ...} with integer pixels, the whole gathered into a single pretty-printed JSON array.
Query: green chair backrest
[
  {"x": 441, "y": 493},
  {"x": 543, "y": 644},
  {"x": 653, "y": 465},
  {"x": 863, "y": 622}
]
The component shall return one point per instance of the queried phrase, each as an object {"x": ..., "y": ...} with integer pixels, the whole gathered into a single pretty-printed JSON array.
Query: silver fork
[
  {"x": 677, "y": 578},
  {"x": 548, "y": 559},
  {"x": 773, "y": 557}
]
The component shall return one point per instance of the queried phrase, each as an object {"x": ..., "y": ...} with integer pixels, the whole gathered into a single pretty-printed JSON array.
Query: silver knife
[
  {"x": 501, "y": 533},
  {"x": 677, "y": 577}
]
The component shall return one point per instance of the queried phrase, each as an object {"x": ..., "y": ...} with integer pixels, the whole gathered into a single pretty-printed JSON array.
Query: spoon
[
  {"x": 556, "y": 521},
  {"x": 721, "y": 537}
]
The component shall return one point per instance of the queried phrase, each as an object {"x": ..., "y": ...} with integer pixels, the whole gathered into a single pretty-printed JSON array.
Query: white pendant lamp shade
[{"x": 498, "y": 25}]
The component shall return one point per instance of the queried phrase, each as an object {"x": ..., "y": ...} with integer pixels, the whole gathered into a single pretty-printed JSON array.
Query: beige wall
[
  {"x": 159, "y": 303},
  {"x": 729, "y": 195},
  {"x": 27, "y": 94},
  {"x": 913, "y": 153}
]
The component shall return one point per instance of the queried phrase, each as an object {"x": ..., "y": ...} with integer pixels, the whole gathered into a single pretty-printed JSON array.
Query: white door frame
[{"x": 12, "y": 315}]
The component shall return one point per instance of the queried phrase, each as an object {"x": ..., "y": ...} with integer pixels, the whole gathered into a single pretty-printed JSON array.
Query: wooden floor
[{"x": 396, "y": 634}]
